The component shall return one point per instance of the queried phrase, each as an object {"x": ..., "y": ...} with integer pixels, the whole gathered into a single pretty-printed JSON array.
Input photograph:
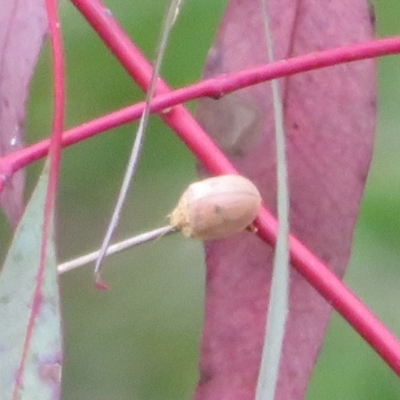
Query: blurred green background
[{"x": 140, "y": 339}]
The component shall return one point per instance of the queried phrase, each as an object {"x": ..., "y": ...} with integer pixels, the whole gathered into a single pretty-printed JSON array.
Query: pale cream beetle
[{"x": 217, "y": 207}]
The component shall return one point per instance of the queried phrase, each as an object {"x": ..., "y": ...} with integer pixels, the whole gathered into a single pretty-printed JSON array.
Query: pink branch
[{"x": 215, "y": 87}]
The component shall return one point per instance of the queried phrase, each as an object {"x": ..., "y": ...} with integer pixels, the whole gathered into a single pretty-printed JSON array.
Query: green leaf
[{"x": 30, "y": 326}]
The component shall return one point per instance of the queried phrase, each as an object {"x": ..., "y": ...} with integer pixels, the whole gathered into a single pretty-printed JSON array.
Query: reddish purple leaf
[
  {"x": 22, "y": 28},
  {"x": 329, "y": 122}
]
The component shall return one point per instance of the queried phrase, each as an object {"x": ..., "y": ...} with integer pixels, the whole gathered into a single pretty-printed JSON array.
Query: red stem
[
  {"x": 54, "y": 155},
  {"x": 215, "y": 87}
]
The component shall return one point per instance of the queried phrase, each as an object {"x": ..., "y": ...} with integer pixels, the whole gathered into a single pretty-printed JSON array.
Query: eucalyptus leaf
[{"x": 30, "y": 328}]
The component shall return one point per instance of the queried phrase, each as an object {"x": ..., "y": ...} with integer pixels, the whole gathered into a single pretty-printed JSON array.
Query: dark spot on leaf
[
  {"x": 4, "y": 299},
  {"x": 217, "y": 209},
  {"x": 205, "y": 376},
  {"x": 17, "y": 258},
  {"x": 372, "y": 16},
  {"x": 214, "y": 61}
]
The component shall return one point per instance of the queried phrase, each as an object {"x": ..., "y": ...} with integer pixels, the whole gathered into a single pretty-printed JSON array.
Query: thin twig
[
  {"x": 138, "y": 143},
  {"x": 115, "y": 248}
]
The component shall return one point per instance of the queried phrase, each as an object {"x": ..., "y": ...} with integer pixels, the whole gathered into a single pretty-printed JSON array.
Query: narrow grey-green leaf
[
  {"x": 279, "y": 294},
  {"x": 30, "y": 328}
]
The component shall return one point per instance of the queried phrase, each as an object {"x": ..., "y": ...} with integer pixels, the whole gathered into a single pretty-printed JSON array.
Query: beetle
[{"x": 217, "y": 207}]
